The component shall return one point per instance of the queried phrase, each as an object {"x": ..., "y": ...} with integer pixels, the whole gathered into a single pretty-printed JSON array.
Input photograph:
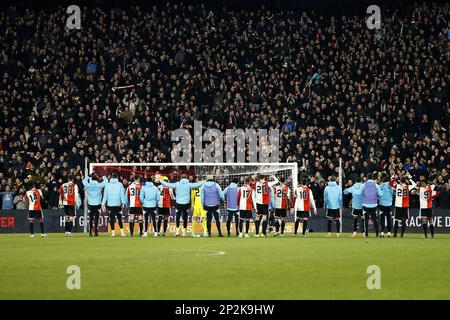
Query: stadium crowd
[{"x": 378, "y": 99}]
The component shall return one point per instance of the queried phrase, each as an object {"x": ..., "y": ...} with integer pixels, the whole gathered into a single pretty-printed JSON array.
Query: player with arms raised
[
  {"x": 427, "y": 194},
  {"x": 230, "y": 195},
  {"x": 303, "y": 202},
  {"x": 211, "y": 195},
  {"x": 371, "y": 191},
  {"x": 402, "y": 190},
  {"x": 150, "y": 197},
  {"x": 332, "y": 198},
  {"x": 114, "y": 200},
  {"x": 385, "y": 203},
  {"x": 94, "y": 199},
  {"x": 198, "y": 212},
  {"x": 357, "y": 212},
  {"x": 69, "y": 198},
  {"x": 246, "y": 203},
  {"x": 182, "y": 198},
  {"x": 33, "y": 200},
  {"x": 164, "y": 205},
  {"x": 134, "y": 203},
  {"x": 263, "y": 196},
  {"x": 282, "y": 198}
]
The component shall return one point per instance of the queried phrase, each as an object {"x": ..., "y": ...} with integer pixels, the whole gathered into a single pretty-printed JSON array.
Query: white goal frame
[{"x": 282, "y": 165}]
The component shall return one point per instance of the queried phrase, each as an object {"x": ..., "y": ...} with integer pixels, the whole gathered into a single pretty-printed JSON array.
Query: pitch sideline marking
[
  {"x": 202, "y": 253},
  {"x": 214, "y": 253}
]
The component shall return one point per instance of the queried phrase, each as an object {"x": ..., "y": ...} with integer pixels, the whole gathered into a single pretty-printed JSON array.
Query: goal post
[
  {"x": 341, "y": 185},
  {"x": 224, "y": 173},
  {"x": 85, "y": 204}
]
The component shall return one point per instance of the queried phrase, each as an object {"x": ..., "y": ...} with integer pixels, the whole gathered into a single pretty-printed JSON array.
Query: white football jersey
[
  {"x": 304, "y": 199},
  {"x": 426, "y": 196},
  {"x": 281, "y": 197},
  {"x": 133, "y": 195}
]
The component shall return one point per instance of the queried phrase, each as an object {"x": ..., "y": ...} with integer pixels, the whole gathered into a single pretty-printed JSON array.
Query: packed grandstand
[{"x": 114, "y": 90}]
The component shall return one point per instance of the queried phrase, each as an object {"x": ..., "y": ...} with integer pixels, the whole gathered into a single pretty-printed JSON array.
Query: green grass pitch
[{"x": 224, "y": 268}]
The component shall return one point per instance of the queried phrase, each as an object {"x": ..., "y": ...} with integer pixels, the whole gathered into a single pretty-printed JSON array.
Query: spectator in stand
[
  {"x": 7, "y": 197},
  {"x": 443, "y": 201},
  {"x": 20, "y": 202}
]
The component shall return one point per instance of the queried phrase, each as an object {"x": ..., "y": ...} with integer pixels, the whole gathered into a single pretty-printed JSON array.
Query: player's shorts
[
  {"x": 426, "y": 212},
  {"x": 149, "y": 210},
  {"x": 135, "y": 211},
  {"x": 198, "y": 211},
  {"x": 35, "y": 214},
  {"x": 333, "y": 214},
  {"x": 232, "y": 212},
  {"x": 245, "y": 214},
  {"x": 370, "y": 211},
  {"x": 262, "y": 209},
  {"x": 211, "y": 208},
  {"x": 165, "y": 212},
  {"x": 302, "y": 215},
  {"x": 69, "y": 211},
  {"x": 280, "y": 213},
  {"x": 183, "y": 207},
  {"x": 114, "y": 210},
  {"x": 357, "y": 213},
  {"x": 384, "y": 209},
  {"x": 401, "y": 213},
  {"x": 94, "y": 209}
]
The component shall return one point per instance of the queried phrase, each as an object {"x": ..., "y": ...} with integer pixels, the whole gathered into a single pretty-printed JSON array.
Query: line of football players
[{"x": 265, "y": 201}]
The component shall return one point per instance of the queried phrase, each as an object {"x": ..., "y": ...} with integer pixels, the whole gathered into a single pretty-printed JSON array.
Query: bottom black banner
[{"x": 228, "y": 309}]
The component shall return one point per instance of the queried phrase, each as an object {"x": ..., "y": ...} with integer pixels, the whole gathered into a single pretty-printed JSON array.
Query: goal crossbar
[
  {"x": 266, "y": 167},
  {"x": 189, "y": 164}
]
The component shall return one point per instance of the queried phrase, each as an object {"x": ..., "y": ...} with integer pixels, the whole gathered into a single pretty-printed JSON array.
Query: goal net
[{"x": 224, "y": 174}]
